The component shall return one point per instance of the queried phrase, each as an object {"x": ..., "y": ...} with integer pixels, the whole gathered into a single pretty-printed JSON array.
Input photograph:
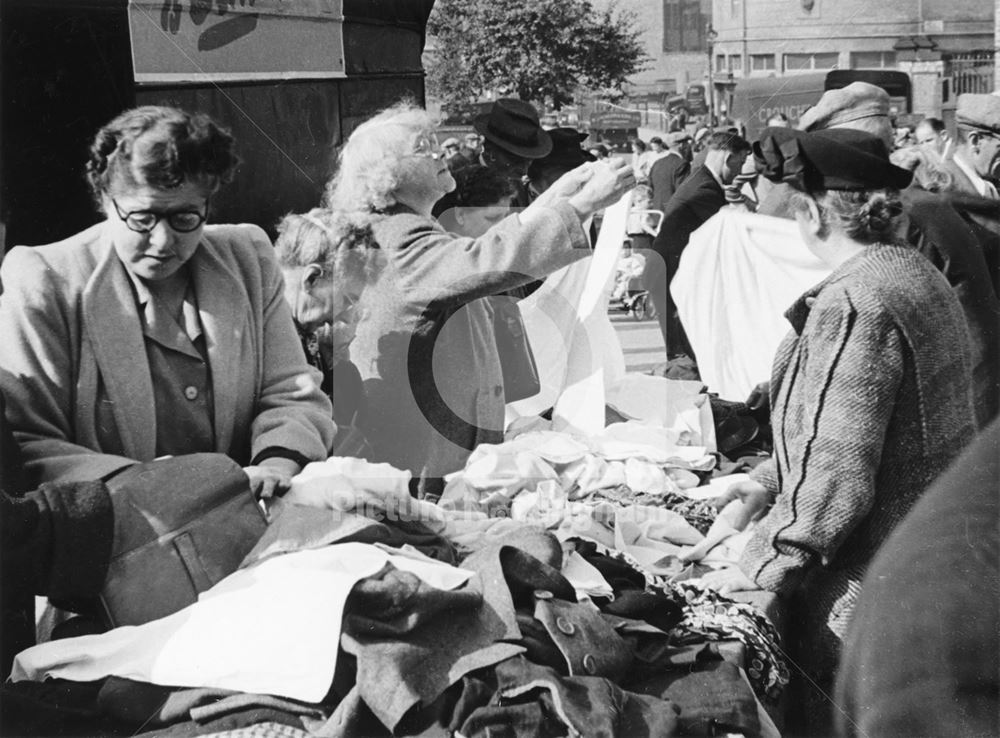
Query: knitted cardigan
[{"x": 871, "y": 399}]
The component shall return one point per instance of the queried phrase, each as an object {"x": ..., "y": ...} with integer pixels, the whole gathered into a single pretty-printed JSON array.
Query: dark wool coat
[
  {"x": 665, "y": 176},
  {"x": 425, "y": 344},
  {"x": 871, "y": 401},
  {"x": 921, "y": 657},
  {"x": 949, "y": 242},
  {"x": 698, "y": 198}
]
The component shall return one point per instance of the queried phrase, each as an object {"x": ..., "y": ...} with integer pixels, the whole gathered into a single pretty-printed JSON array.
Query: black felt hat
[
  {"x": 566, "y": 152},
  {"x": 513, "y": 126},
  {"x": 830, "y": 159}
]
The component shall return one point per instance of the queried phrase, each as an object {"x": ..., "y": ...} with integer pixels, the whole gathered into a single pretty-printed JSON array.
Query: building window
[
  {"x": 873, "y": 60},
  {"x": 684, "y": 24},
  {"x": 810, "y": 62},
  {"x": 735, "y": 64},
  {"x": 762, "y": 62}
]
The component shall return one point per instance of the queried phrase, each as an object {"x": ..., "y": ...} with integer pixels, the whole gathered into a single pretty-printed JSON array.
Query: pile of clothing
[{"x": 395, "y": 618}]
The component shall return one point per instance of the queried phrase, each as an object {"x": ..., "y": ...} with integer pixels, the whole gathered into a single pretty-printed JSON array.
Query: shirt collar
[{"x": 984, "y": 188}]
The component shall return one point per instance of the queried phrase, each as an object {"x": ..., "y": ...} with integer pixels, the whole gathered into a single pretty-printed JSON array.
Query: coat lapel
[
  {"x": 223, "y": 307},
  {"x": 113, "y": 328}
]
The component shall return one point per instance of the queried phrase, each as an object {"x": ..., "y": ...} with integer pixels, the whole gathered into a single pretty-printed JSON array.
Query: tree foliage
[{"x": 537, "y": 50}]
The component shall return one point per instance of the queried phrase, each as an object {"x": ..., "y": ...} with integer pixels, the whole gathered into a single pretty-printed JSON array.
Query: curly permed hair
[
  {"x": 366, "y": 176},
  {"x": 161, "y": 147}
]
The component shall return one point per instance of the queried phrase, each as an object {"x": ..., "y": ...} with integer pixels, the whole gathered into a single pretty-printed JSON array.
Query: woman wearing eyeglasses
[
  {"x": 151, "y": 333},
  {"x": 425, "y": 345}
]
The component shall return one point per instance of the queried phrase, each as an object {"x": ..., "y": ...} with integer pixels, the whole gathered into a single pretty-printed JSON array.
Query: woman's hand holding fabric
[
  {"x": 271, "y": 477},
  {"x": 755, "y": 497},
  {"x": 608, "y": 182},
  {"x": 730, "y": 579},
  {"x": 759, "y": 396}
]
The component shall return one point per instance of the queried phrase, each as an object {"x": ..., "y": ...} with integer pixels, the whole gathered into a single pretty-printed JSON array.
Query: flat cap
[
  {"x": 979, "y": 111},
  {"x": 678, "y": 137},
  {"x": 837, "y": 108},
  {"x": 452, "y": 141}
]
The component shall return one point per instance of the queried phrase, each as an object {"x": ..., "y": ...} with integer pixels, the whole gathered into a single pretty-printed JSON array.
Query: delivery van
[{"x": 755, "y": 100}]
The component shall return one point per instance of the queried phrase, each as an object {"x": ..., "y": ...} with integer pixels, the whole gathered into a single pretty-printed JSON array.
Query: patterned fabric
[
  {"x": 707, "y": 615},
  {"x": 699, "y": 513},
  {"x": 262, "y": 730}
]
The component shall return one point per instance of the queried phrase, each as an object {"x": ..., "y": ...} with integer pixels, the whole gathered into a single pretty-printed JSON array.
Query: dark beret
[{"x": 831, "y": 159}]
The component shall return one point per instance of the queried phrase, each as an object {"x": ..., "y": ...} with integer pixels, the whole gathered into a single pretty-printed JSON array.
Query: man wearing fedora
[{"x": 512, "y": 138}]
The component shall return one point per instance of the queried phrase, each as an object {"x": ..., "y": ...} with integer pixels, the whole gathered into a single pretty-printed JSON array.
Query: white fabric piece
[
  {"x": 271, "y": 629},
  {"x": 738, "y": 275},
  {"x": 585, "y": 578},
  {"x": 670, "y": 403},
  {"x": 348, "y": 484},
  {"x": 575, "y": 346}
]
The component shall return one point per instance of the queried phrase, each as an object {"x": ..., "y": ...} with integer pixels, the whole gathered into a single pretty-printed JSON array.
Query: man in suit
[
  {"x": 667, "y": 173},
  {"x": 976, "y": 160},
  {"x": 698, "y": 198}
]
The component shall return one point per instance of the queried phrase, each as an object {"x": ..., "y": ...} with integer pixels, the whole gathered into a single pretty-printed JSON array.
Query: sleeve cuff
[{"x": 272, "y": 452}]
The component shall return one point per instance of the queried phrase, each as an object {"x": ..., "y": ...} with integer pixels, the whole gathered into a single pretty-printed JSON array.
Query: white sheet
[
  {"x": 575, "y": 346},
  {"x": 738, "y": 275},
  {"x": 271, "y": 629}
]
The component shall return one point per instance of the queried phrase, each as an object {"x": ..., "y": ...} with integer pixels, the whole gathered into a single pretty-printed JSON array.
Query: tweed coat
[
  {"x": 74, "y": 369},
  {"x": 425, "y": 344},
  {"x": 871, "y": 400}
]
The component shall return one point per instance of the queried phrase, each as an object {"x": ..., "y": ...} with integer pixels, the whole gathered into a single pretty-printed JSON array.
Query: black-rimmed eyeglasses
[{"x": 144, "y": 221}]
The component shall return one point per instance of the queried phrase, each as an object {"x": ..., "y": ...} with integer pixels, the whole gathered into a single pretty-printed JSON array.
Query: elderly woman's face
[
  {"x": 155, "y": 232},
  {"x": 423, "y": 174}
]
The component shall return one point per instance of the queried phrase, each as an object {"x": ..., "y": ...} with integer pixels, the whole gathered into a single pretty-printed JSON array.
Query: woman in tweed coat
[
  {"x": 425, "y": 344},
  {"x": 870, "y": 396}
]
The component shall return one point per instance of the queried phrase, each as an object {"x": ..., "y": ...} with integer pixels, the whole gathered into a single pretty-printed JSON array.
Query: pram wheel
[{"x": 642, "y": 308}]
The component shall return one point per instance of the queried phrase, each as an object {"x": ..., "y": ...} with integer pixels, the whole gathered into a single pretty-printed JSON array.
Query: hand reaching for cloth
[
  {"x": 590, "y": 187},
  {"x": 271, "y": 477}
]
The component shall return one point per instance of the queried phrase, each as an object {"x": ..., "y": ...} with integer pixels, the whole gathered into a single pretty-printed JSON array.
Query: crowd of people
[{"x": 370, "y": 330}]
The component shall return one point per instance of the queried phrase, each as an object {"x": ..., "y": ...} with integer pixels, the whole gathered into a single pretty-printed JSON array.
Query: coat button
[
  {"x": 191, "y": 392},
  {"x": 810, "y": 301},
  {"x": 589, "y": 663},
  {"x": 543, "y": 594},
  {"x": 565, "y": 626},
  {"x": 498, "y": 390}
]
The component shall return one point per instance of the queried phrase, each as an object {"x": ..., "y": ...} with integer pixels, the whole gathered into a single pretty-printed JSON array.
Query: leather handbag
[
  {"x": 181, "y": 525},
  {"x": 517, "y": 362}
]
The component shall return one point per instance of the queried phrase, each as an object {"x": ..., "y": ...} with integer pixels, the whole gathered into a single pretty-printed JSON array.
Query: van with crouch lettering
[{"x": 755, "y": 100}]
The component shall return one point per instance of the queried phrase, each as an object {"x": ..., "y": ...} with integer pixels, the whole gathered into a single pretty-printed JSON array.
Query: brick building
[{"x": 946, "y": 46}]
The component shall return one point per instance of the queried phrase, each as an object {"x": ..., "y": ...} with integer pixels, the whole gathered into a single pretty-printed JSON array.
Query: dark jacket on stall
[{"x": 56, "y": 541}]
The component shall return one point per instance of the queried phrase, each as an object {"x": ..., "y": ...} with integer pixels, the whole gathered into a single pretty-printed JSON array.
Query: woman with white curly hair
[{"x": 425, "y": 345}]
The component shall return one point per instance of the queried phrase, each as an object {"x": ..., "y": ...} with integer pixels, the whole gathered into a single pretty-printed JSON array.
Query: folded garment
[{"x": 297, "y": 599}]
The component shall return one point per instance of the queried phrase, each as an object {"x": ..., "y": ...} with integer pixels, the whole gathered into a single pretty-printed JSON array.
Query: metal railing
[{"x": 971, "y": 72}]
